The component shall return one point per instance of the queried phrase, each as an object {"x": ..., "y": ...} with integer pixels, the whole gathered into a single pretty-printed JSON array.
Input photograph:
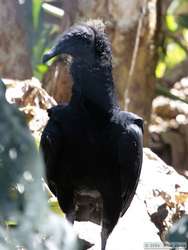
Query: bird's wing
[
  {"x": 130, "y": 161},
  {"x": 51, "y": 145}
]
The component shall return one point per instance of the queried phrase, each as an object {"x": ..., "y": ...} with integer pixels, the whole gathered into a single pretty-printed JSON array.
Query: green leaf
[
  {"x": 54, "y": 206},
  {"x": 42, "y": 68},
  {"x": 175, "y": 54},
  {"x": 36, "y": 9},
  {"x": 171, "y": 23},
  {"x": 10, "y": 223},
  {"x": 160, "y": 69}
]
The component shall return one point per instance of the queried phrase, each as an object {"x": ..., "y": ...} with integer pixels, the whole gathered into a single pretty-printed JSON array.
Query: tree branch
[{"x": 161, "y": 90}]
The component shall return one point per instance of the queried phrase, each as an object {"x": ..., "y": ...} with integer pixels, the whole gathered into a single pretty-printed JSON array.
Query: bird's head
[{"x": 85, "y": 41}]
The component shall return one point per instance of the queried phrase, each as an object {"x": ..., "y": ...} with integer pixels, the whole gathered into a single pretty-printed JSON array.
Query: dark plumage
[{"x": 90, "y": 144}]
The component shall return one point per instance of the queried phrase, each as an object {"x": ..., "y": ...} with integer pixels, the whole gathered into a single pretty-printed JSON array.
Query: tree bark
[
  {"x": 122, "y": 18},
  {"x": 14, "y": 53}
]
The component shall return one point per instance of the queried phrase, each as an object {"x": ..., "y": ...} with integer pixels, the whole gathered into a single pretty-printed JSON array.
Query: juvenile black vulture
[{"x": 90, "y": 145}]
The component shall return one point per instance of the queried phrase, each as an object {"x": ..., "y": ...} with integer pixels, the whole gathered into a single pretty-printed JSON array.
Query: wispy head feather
[
  {"x": 102, "y": 44},
  {"x": 96, "y": 24}
]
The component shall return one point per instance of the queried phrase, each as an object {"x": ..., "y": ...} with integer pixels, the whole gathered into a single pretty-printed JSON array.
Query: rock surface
[
  {"x": 32, "y": 100},
  {"x": 169, "y": 126},
  {"x": 157, "y": 204}
]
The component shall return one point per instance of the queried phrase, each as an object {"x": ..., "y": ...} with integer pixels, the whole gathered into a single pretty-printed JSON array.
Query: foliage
[
  {"x": 41, "y": 38},
  {"x": 54, "y": 206},
  {"x": 174, "y": 49},
  {"x": 43, "y": 32},
  {"x": 36, "y": 10}
]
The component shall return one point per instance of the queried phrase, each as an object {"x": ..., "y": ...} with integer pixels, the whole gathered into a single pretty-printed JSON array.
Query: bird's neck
[{"x": 94, "y": 86}]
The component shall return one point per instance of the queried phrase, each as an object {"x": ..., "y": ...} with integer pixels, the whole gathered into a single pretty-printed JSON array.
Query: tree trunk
[
  {"x": 14, "y": 55},
  {"x": 133, "y": 43}
]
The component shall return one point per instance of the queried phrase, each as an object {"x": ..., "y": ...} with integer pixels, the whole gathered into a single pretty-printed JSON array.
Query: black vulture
[{"x": 90, "y": 145}]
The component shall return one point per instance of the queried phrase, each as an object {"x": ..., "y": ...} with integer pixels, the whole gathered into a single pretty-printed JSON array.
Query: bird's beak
[
  {"x": 51, "y": 53},
  {"x": 63, "y": 46}
]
